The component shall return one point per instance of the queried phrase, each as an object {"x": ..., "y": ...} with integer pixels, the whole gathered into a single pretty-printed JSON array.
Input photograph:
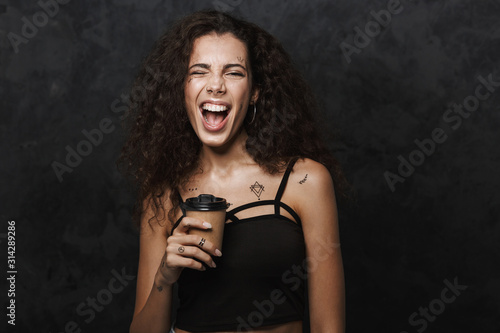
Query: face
[{"x": 218, "y": 88}]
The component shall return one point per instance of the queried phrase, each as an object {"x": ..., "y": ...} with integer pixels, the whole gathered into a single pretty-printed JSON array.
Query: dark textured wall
[{"x": 421, "y": 77}]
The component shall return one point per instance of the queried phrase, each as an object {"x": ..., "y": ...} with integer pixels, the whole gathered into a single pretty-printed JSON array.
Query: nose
[{"x": 216, "y": 85}]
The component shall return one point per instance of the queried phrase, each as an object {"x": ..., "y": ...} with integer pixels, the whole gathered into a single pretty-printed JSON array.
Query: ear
[{"x": 255, "y": 96}]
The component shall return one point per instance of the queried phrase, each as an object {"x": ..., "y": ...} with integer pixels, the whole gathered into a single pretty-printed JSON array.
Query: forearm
[
  {"x": 329, "y": 320},
  {"x": 327, "y": 298},
  {"x": 155, "y": 317}
]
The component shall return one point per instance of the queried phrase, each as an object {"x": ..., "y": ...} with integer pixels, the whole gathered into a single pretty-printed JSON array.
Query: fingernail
[
  {"x": 218, "y": 253},
  {"x": 206, "y": 224},
  {"x": 213, "y": 264},
  {"x": 203, "y": 268}
]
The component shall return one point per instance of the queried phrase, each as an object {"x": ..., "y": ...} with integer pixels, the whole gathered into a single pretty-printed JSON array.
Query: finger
[
  {"x": 191, "y": 222},
  {"x": 193, "y": 240},
  {"x": 184, "y": 262},
  {"x": 191, "y": 252},
  {"x": 204, "y": 244}
]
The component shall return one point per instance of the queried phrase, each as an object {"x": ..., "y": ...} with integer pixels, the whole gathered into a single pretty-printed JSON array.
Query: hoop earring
[{"x": 254, "y": 112}]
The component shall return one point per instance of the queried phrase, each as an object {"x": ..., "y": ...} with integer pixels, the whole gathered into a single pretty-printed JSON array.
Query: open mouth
[{"x": 214, "y": 115}]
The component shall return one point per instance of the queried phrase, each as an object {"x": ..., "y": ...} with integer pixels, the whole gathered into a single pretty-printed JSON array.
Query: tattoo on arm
[
  {"x": 160, "y": 288},
  {"x": 257, "y": 189},
  {"x": 303, "y": 180}
]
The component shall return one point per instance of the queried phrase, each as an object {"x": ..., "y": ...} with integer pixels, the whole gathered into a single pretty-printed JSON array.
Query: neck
[{"x": 223, "y": 160}]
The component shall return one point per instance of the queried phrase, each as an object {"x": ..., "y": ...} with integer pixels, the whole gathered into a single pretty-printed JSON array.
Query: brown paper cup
[
  {"x": 217, "y": 219},
  {"x": 207, "y": 207}
]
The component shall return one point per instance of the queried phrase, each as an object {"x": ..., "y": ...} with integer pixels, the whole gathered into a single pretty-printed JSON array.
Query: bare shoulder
[
  {"x": 311, "y": 186},
  {"x": 311, "y": 175}
]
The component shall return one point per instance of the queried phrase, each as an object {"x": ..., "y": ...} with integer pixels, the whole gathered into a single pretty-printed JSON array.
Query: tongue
[{"x": 214, "y": 118}]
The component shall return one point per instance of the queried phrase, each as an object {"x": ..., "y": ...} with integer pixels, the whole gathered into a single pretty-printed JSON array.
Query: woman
[{"x": 223, "y": 111}]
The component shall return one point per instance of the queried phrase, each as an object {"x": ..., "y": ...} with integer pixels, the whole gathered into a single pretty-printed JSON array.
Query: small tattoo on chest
[
  {"x": 160, "y": 288},
  {"x": 192, "y": 189},
  {"x": 303, "y": 180},
  {"x": 257, "y": 189}
]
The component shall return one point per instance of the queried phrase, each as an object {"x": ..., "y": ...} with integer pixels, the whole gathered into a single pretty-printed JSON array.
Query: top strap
[
  {"x": 181, "y": 202},
  {"x": 284, "y": 181},
  {"x": 183, "y": 214}
]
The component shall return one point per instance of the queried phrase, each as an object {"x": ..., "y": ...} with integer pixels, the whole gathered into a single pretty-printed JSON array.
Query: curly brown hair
[{"x": 159, "y": 126}]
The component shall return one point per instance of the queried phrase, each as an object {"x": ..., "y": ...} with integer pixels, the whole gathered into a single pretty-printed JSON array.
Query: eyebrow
[{"x": 206, "y": 66}]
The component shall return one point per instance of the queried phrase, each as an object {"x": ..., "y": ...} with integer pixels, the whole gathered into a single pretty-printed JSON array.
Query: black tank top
[{"x": 260, "y": 279}]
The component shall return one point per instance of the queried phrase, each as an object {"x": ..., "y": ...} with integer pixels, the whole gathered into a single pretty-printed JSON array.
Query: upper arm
[
  {"x": 152, "y": 244},
  {"x": 317, "y": 209}
]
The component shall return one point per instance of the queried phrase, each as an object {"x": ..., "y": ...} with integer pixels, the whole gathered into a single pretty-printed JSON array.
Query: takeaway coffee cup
[{"x": 208, "y": 208}]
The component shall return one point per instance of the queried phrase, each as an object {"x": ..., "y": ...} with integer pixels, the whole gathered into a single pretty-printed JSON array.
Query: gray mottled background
[{"x": 74, "y": 234}]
